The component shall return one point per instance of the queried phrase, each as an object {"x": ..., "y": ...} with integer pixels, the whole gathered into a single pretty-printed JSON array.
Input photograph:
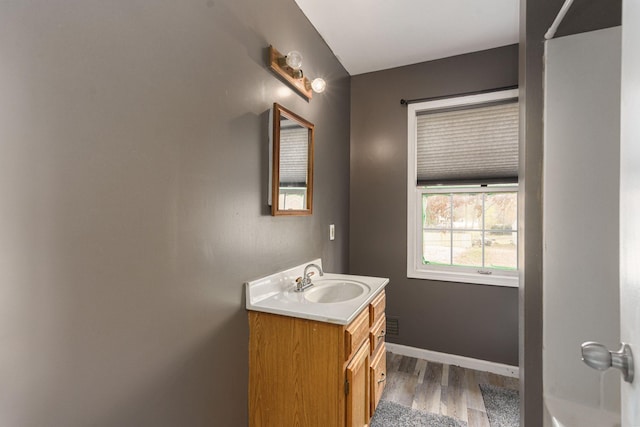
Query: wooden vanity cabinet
[{"x": 307, "y": 373}]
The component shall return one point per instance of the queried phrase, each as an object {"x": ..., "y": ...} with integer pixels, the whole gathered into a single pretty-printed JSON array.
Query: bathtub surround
[{"x": 582, "y": 134}]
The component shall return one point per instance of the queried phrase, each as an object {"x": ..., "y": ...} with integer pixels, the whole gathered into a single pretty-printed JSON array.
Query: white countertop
[{"x": 275, "y": 294}]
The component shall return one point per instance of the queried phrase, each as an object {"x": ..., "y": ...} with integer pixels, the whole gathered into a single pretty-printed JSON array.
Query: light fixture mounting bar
[{"x": 300, "y": 84}]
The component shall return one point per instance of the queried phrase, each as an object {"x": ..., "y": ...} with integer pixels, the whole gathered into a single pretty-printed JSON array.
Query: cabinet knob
[
  {"x": 383, "y": 378},
  {"x": 382, "y": 334}
]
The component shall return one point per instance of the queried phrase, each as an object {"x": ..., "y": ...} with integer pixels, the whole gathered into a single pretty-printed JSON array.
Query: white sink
[
  {"x": 333, "y": 298},
  {"x": 335, "y": 290}
]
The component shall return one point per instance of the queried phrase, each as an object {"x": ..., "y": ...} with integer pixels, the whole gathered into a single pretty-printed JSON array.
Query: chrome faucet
[{"x": 304, "y": 282}]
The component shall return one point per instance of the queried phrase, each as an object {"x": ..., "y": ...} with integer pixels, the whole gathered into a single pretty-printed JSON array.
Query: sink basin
[
  {"x": 334, "y": 298},
  {"x": 335, "y": 290}
]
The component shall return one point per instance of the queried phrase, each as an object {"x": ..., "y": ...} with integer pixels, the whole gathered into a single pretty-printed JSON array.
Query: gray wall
[
  {"x": 535, "y": 18},
  {"x": 133, "y": 180},
  {"x": 464, "y": 319}
]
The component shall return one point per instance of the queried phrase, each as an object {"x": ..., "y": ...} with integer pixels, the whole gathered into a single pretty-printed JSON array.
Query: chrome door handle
[{"x": 599, "y": 357}]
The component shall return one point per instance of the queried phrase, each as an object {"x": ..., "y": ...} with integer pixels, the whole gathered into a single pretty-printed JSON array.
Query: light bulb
[
  {"x": 318, "y": 85},
  {"x": 294, "y": 59}
]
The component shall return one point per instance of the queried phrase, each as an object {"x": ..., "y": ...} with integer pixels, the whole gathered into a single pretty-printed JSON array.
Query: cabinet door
[
  {"x": 358, "y": 388},
  {"x": 378, "y": 377}
]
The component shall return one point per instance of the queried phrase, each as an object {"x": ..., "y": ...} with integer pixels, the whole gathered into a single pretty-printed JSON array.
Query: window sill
[{"x": 464, "y": 277}]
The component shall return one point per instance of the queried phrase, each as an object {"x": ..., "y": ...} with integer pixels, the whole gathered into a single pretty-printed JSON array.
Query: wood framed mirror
[{"x": 291, "y": 163}]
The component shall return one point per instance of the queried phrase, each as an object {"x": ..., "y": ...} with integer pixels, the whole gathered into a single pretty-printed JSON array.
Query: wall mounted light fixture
[{"x": 289, "y": 67}]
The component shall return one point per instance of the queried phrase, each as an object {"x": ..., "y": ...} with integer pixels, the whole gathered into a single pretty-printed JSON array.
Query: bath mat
[
  {"x": 502, "y": 405},
  {"x": 390, "y": 414}
]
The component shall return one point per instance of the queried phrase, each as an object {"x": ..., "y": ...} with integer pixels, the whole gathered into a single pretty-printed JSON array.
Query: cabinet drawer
[
  {"x": 376, "y": 308},
  {"x": 356, "y": 333},
  {"x": 377, "y": 334},
  {"x": 378, "y": 377}
]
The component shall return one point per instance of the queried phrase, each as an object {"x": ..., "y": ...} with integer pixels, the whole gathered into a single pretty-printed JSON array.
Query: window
[
  {"x": 294, "y": 155},
  {"x": 462, "y": 189}
]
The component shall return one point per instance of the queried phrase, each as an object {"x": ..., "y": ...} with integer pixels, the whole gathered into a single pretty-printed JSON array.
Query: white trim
[
  {"x": 458, "y": 101},
  {"x": 452, "y": 359},
  {"x": 472, "y": 277},
  {"x": 492, "y": 188},
  {"x": 414, "y": 268},
  {"x": 413, "y": 210}
]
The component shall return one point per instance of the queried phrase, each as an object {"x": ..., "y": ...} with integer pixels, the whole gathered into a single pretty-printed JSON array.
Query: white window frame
[{"x": 415, "y": 268}]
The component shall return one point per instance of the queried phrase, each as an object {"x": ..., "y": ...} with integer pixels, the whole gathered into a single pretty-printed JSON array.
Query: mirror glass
[{"x": 291, "y": 163}]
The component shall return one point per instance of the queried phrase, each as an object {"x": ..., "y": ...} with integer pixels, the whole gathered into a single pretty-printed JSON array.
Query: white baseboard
[{"x": 452, "y": 359}]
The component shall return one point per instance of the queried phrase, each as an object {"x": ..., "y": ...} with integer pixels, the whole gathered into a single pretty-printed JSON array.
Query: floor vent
[{"x": 393, "y": 326}]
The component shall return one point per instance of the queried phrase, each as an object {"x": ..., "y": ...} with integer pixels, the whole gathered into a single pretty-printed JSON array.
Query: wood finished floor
[{"x": 441, "y": 389}]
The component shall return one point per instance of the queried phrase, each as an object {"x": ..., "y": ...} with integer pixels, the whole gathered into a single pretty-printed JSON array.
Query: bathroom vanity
[{"x": 315, "y": 361}]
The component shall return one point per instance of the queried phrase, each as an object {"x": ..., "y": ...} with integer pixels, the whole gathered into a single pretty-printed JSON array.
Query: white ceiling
[{"x": 372, "y": 35}]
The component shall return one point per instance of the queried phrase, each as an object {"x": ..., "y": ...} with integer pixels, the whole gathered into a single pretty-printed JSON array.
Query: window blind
[
  {"x": 294, "y": 154},
  {"x": 477, "y": 144}
]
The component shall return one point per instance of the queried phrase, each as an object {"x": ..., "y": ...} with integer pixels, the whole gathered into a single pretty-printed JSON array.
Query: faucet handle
[{"x": 303, "y": 283}]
